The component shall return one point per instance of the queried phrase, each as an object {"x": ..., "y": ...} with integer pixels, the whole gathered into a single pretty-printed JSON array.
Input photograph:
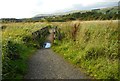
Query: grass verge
[{"x": 95, "y": 48}]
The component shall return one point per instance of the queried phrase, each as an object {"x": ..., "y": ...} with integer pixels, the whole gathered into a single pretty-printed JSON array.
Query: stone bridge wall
[
  {"x": 46, "y": 34},
  {"x": 39, "y": 36}
]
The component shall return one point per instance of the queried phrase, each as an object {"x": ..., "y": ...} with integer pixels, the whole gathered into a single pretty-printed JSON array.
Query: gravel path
[{"x": 45, "y": 64}]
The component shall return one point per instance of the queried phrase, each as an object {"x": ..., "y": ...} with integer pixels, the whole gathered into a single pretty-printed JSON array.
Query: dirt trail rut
[{"x": 45, "y": 64}]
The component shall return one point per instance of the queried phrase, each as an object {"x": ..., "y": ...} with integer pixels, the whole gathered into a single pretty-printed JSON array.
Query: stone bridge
[{"x": 46, "y": 34}]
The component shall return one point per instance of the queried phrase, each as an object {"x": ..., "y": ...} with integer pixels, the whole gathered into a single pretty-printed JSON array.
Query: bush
[
  {"x": 17, "y": 46},
  {"x": 12, "y": 50},
  {"x": 95, "y": 48},
  {"x": 94, "y": 53}
]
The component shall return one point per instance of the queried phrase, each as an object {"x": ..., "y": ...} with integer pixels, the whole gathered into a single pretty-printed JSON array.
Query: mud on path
[{"x": 45, "y": 64}]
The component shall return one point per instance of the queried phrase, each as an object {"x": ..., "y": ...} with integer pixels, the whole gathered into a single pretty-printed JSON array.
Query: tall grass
[
  {"x": 95, "y": 48},
  {"x": 15, "y": 52}
]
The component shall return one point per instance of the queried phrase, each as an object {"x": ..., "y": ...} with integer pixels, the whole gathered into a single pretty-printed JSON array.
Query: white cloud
[
  {"x": 53, "y": 5},
  {"x": 17, "y": 8},
  {"x": 29, "y": 8}
]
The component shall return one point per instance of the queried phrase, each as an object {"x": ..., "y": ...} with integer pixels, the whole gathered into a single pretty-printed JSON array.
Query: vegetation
[
  {"x": 17, "y": 47},
  {"x": 92, "y": 45}
]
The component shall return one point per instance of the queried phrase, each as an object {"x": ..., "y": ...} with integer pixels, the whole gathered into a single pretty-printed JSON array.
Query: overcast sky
[{"x": 30, "y": 8}]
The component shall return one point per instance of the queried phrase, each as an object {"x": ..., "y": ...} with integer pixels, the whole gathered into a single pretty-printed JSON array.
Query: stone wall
[{"x": 40, "y": 36}]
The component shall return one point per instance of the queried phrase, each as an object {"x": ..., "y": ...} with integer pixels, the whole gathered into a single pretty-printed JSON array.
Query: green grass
[
  {"x": 95, "y": 48},
  {"x": 14, "y": 67}
]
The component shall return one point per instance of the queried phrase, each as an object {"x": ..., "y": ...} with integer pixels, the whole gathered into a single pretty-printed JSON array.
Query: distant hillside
[
  {"x": 60, "y": 13},
  {"x": 43, "y": 15},
  {"x": 110, "y": 13},
  {"x": 109, "y": 10},
  {"x": 102, "y": 10}
]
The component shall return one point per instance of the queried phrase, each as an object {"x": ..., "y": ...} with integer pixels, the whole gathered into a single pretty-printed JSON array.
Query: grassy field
[
  {"x": 15, "y": 52},
  {"x": 95, "y": 48}
]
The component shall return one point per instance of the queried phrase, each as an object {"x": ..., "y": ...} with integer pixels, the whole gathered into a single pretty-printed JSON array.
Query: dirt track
[{"x": 45, "y": 64}]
